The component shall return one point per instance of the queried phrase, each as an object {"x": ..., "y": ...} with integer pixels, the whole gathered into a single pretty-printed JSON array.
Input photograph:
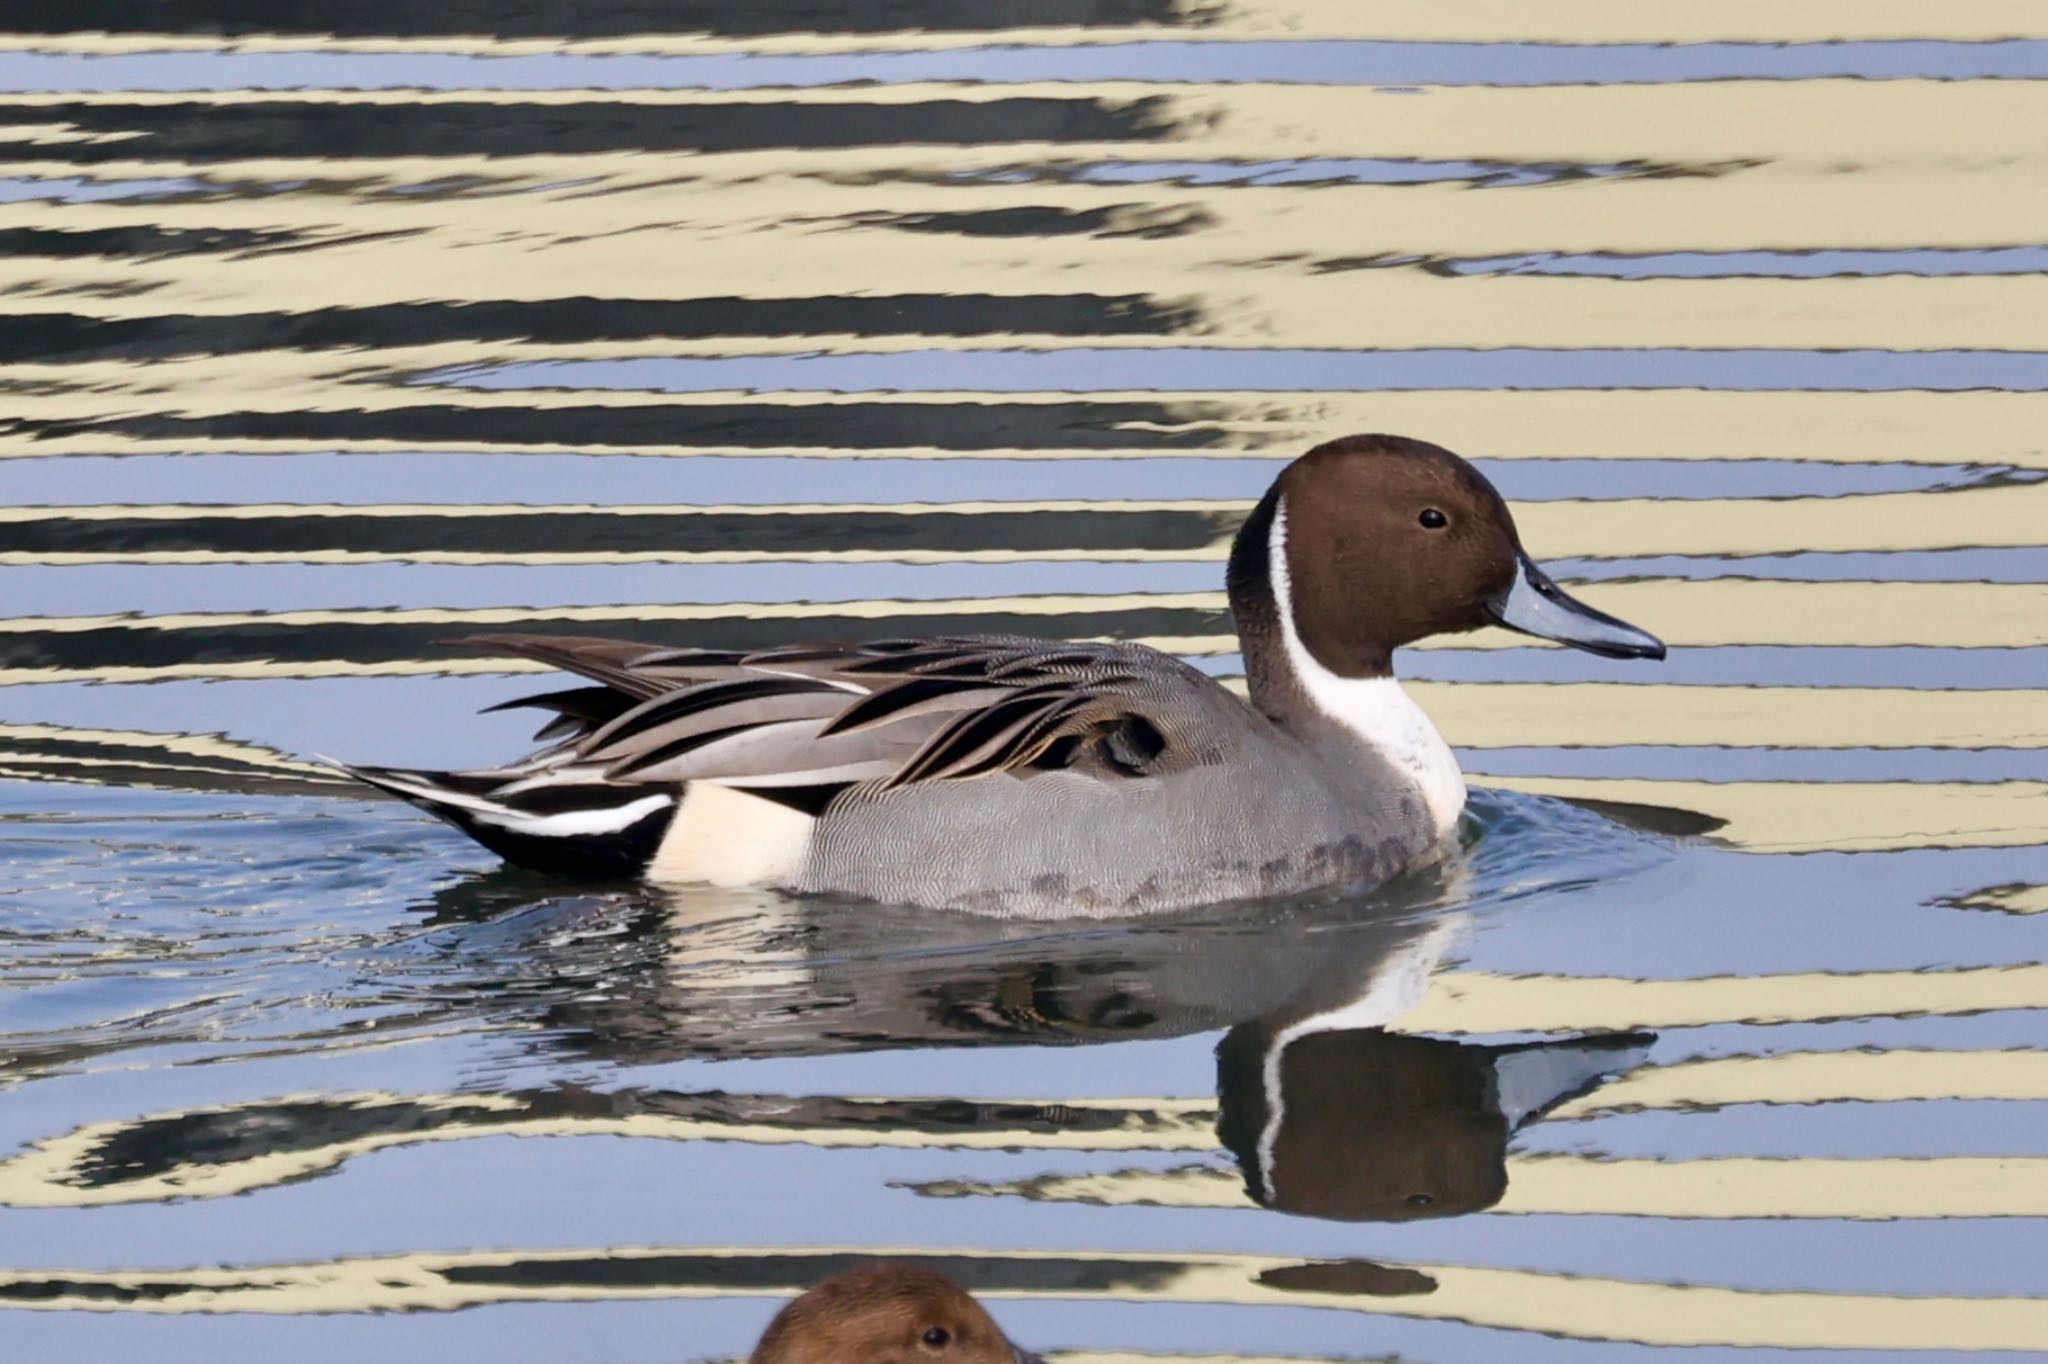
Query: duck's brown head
[
  {"x": 886, "y": 1313},
  {"x": 1369, "y": 543}
]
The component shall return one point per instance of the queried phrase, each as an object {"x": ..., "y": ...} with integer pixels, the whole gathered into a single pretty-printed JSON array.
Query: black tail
[{"x": 588, "y": 830}]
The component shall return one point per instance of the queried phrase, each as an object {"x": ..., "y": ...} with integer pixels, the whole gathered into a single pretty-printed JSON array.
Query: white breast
[{"x": 1373, "y": 708}]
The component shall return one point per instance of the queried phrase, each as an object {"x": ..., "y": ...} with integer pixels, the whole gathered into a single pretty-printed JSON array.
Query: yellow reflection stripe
[
  {"x": 1573, "y": 1306},
  {"x": 55, "y": 1172},
  {"x": 766, "y": 220},
  {"x": 1594, "y": 715},
  {"x": 48, "y": 1174},
  {"x": 1988, "y": 517},
  {"x": 1838, "y": 816},
  {"x": 1766, "y": 814},
  {"x": 1723, "y": 612},
  {"x": 263, "y": 511},
  {"x": 1882, "y": 615},
  {"x": 1933, "y": 428},
  {"x": 1882, "y": 1189},
  {"x": 1821, "y": 1077},
  {"x": 1475, "y": 1002},
  {"x": 1591, "y": 715},
  {"x": 181, "y": 745},
  {"x": 1411, "y": 309}
]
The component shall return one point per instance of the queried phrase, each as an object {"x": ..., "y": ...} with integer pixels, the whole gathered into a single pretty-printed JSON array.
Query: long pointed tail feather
[{"x": 569, "y": 828}]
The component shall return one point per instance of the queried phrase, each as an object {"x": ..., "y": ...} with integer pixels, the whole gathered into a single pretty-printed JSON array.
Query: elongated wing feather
[{"x": 895, "y": 712}]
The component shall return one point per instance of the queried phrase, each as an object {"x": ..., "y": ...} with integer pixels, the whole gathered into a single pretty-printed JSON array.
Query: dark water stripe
[
  {"x": 1112, "y": 221},
  {"x": 158, "y": 589},
  {"x": 517, "y": 533},
  {"x": 142, "y": 765},
  {"x": 586, "y": 20},
  {"x": 155, "y": 1147},
  {"x": 984, "y": 1273},
  {"x": 392, "y": 641},
  {"x": 1335, "y": 62},
  {"x": 603, "y": 532},
  {"x": 45, "y": 338},
  {"x": 205, "y": 132},
  {"x": 1759, "y": 665},
  {"x": 1137, "y": 425},
  {"x": 139, "y": 242},
  {"x": 1084, "y": 369},
  {"x": 2028, "y": 565},
  {"x": 1925, "y": 262},
  {"x": 789, "y": 1270},
  {"x": 152, "y": 645},
  {"x": 1711, "y": 761},
  {"x": 364, "y": 479}
]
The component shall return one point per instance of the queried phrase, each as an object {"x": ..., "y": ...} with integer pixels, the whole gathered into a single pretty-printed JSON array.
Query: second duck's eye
[
  {"x": 937, "y": 1338},
  {"x": 1432, "y": 519}
]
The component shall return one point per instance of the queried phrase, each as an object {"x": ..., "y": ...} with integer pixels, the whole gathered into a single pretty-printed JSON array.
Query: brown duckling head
[{"x": 886, "y": 1313}]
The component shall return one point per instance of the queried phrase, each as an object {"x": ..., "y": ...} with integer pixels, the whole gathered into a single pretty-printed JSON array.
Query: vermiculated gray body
[{"x": 1272, "y": 816}]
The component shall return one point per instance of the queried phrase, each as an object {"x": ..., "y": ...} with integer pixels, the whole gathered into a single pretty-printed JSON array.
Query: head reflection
[{"x": 1365, "y": 1125}]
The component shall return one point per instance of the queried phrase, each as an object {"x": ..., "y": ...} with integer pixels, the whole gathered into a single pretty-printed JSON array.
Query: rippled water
[{"x": 333, "y": 330}]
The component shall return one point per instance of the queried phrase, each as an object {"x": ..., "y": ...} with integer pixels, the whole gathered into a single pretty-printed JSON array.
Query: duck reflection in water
[{"x": 1327, "y": 1112}]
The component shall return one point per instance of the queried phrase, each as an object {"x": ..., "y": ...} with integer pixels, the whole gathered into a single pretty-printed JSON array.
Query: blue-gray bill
[
  {"x": 1026, "y": 1357},
  {"x": 1537, "y": 606}
]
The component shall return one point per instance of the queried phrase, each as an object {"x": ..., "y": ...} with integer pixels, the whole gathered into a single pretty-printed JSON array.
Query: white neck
[{"x": 1374, "y": 708}]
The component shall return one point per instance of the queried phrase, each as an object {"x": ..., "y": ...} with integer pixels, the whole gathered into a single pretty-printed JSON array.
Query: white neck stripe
[{"x": 1373, "y": 708}]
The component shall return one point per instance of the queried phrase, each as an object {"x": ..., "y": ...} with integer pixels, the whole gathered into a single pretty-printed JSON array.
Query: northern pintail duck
[
  {"x": 1050, "y": 778},
  {"x": 886, "y": 1313}
]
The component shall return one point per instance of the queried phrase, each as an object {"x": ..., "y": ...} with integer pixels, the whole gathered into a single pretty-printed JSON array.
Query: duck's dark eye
[
  {"x": 1421, "y": 1200},
  {"x": 1432, "y": 519},
  {"x": 937, "y": 1337}
]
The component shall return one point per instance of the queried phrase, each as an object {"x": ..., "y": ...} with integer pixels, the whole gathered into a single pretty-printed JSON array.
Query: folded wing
[{"x": 896, "y": 712}]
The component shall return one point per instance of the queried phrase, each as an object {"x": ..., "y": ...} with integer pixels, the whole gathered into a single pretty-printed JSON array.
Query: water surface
[{"x": 330, "y": 336}]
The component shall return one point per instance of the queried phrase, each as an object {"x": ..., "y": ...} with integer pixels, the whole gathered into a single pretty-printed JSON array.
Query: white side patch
[
  {"x": 729, "y": 838},
  {"x": 578, "y": 823},
  {"x": 1373, "y": 708}
]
